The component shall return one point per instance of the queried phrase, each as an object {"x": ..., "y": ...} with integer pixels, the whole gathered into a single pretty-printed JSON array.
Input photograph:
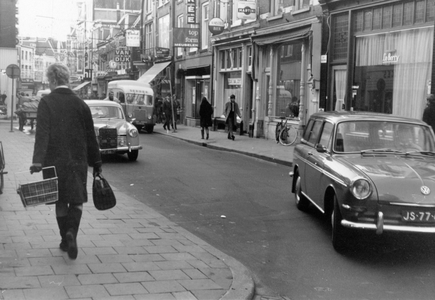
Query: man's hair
[
  {"x": 232, "y": 97},
  {"x": 58, "y": 73}
]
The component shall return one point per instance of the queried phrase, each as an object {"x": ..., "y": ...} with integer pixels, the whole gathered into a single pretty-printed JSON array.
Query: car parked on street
[
  {"x": 114, "y": 133},
  {"x": 366, "y": 171}
]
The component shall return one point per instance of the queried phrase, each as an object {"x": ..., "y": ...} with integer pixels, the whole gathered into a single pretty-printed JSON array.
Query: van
[{"x": 137, "y": 101}]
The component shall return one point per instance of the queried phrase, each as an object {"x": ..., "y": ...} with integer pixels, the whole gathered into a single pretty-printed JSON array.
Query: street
[{"x": 243, "y": 207}]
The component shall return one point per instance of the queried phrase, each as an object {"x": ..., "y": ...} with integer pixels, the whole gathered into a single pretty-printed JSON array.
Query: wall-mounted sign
[
  {"x": 132, "y": 38},
  {"x": 216, "y": 26},
  {"x": 122, "y": 55},
  {"x": 390, "y": 58},
  {"x": 234, "y": 81},
  {"x": 191, "y": 11},
  {"x": 247, "y": 10},
  {"x": 186, "y": 37}
]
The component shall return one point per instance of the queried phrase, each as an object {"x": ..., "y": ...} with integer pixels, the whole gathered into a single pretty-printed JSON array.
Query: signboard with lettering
[
  {"x": 216, "y": 26},
  {"x": 122, "y": 55},
  {"x": 191, "y": 11},
  {"x": 162, "y": 52},
  {"x": 132, "y": 38},
  {"x": 186, "y": 37},
  {"x": 247, "y": 10},
  {"x": 390, "y": 57}
]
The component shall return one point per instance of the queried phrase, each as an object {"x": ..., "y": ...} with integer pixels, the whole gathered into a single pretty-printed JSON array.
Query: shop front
[
  {"x": 288, "y": 74},
  {"x": 383, "y": 62}
]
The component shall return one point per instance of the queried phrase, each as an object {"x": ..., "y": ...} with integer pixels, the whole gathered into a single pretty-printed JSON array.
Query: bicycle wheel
[{"x": 288, "y": 135}]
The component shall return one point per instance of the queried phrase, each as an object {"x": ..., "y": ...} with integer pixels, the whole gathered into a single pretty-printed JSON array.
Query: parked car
[
  {"x": 366, "y": 171},
  {"x": 114, "y": 133}
]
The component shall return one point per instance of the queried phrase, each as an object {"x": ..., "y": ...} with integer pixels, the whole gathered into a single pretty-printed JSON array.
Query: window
[
  {"x": 162, "y": 2},
  {"x": 205, "y": 33},
  {"x": 278, "y": 7},
  {"x": 301, "y": 4},
  {"x": 231, "y": 59},
  {"x": 314, "y": 134},
  {"x": 148, "y": 6},
  {"x": 149, "y": 44},
  {"x": 325, "y": 138},
  {"x": 180, "y": 24},
  {"x": 163, "y": 31}
]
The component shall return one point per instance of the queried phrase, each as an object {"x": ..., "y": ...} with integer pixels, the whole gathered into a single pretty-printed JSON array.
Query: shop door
[
  {"x": 196, "y": 90},
  {"x": 338, "y": 90}
]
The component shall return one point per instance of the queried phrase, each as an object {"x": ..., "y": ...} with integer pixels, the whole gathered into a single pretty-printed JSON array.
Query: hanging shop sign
[
  {"x": 162, "y": 52},
  {"x": 186, "y": 37},
  {"x": 216, "y": 26},
  {"x": 132, "y": 38},
  {"x": 247, "y": 10},
  {"x": 191, "y": 11},
  {"x": 122, "y": 55}
]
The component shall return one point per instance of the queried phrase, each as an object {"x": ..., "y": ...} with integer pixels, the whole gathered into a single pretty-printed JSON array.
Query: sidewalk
[
  {"x": 130, "y": 252},
  {"x": 256, "y": 147}
]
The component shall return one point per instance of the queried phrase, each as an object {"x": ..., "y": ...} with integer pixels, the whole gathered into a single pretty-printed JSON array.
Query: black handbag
[{"x": 102, "y": 193}]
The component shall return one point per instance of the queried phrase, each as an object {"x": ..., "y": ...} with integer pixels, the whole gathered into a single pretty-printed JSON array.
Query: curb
[
  {"x": 221, "y": 148},
  {"x": 243, "y": 286}
]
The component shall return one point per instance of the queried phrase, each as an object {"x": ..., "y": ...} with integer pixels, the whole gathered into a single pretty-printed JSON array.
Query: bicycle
[{"x": 286, "y": 134}]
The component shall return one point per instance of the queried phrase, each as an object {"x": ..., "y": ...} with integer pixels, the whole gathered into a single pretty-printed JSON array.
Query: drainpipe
[{"x": 302, "y": 94}]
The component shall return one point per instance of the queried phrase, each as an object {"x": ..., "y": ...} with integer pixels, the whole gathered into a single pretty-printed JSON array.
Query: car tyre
[
  {"x": 132, "y": 155},
  {"x": 302, "y": 202},
  {"x": 338, "y": 231}
]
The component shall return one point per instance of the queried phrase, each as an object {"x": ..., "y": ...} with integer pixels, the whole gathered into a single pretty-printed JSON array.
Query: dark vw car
[{"x": 367, "y": 171}]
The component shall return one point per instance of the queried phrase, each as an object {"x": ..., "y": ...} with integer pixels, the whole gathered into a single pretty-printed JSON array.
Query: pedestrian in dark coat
[
  {"x": 429, "y": 112},
  {"x": 167, "y": 112},
  {"x": 65, "y": 138},
  {"x": 231, "y": 112},
  {"x": 205, "y": 113}
]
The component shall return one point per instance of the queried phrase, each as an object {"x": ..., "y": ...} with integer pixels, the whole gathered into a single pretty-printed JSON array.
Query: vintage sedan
[
  {"x": 114, "y": 133},
  {"x": 366, "y": 171}
]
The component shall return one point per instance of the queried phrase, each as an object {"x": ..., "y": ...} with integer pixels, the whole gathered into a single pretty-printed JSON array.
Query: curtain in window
[
  {"x": 340, "y": 88},
  {"x": 412, "y": 71}
]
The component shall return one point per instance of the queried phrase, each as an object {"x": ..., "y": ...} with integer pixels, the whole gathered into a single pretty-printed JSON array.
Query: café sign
[
  {"x": 216, "y": 26},
  {"x": 246, "y": 10}
]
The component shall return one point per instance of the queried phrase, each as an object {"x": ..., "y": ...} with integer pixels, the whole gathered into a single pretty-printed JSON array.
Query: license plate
[{"x": 418, "y": 216}]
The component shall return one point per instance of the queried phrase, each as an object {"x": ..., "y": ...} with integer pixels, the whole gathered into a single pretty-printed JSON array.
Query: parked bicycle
[{"x": 285, "y": 133}]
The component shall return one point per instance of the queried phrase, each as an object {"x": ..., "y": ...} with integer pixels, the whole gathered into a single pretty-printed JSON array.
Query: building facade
[{"x": 380, "y": 55}]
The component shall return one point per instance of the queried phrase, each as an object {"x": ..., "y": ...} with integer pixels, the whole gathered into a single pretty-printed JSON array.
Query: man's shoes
[
  {"x": 63, "y": 245},
  {"x": 233, "y": 137},
  {"x": 72, "y": 245},
  {"x": 164, "y": 127}
]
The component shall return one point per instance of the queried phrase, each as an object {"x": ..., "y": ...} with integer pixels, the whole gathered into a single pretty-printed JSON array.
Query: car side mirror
[{"x": 320, "y": 148}]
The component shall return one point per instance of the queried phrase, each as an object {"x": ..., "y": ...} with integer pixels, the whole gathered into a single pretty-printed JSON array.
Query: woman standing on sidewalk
[
  {"x": 65, "y": 139},
  {"x": 205, "y": 113}
]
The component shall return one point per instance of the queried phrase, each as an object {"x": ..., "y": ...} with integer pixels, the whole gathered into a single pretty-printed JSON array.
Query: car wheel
[
  {"x": 133, "y": 154},
  {"x": 338, "y": 231},
  {"x": 302, "y": 202}
]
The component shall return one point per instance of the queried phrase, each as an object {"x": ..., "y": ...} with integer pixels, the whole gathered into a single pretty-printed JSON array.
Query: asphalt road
[{"x": 243, "y": 206}]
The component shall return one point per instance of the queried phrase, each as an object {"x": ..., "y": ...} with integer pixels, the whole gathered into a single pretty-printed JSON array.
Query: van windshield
[{"x": 139, "y": 99}]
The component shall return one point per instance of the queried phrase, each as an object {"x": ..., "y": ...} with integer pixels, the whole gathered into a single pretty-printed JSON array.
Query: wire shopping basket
[{"x": 39, "y": 192}]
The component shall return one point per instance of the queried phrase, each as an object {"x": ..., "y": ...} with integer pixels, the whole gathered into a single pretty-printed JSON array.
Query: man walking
[{"x": 231, "y": 112}]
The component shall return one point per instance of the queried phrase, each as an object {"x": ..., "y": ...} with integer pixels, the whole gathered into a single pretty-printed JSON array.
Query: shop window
[
  {"x": 389, "y": 75},
  {"x": 278, "y": 7},
  {"x": 288, "y": 80},
  {"x": 408, "y": 13},
  {"x": 231, "y": 59}
]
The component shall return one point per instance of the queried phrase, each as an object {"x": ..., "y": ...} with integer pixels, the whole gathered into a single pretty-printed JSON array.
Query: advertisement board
[{"x": 186, "y": 37}]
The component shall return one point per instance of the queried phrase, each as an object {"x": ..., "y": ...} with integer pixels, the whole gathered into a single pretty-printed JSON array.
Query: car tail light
[{"x": 361, "y": 189}]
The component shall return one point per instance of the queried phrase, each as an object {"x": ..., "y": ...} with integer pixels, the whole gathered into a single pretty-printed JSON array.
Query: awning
[
  {"x": 81, "y": 85},
  {"x": 282, "y": 37},
  {"x": 152, "y": 72}
]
